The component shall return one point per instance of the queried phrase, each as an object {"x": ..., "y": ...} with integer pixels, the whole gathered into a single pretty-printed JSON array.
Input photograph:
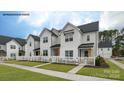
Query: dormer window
[
  {"x": 68, "y": 37},
  {"x": 45, "y": 39},
  {"x": 88, "y": 37}
]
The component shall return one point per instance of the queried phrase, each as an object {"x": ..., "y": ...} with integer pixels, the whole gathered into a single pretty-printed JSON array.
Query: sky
[{"x": 36, "y": 21}]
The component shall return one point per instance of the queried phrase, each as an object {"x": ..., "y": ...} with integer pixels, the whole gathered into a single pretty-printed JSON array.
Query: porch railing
[{"x": 58, "y": 59}]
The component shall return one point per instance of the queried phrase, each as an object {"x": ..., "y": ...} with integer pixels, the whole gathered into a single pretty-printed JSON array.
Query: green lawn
[
  {"x": 113, "y": 72},
  {"x": 122, "y": 61},
  {"x": 13, "y": 74},
  {"x": 58, "y": 67},
  {"x": 26, "y": 63}
]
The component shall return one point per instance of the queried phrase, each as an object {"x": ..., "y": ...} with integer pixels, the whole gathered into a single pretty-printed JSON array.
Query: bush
[{"x": 99, "y": 61}]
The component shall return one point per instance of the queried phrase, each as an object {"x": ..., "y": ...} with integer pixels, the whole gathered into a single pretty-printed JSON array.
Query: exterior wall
[
  {"x": 36, "y": 44},
  {"x": 72, "y": 45},
  {"x": 29, "y": 49},
  {"x": 55, "y": 40},
  {"x": 45, "y": 46},
  {"x": 16, "y": 50},
  {"x": 93, "y": 39},
  {"x": 105, "y": 52},
  {"x": 3, "y": 47}
]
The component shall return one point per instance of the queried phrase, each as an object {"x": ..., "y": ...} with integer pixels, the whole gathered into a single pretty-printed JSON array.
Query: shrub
[{"x": 99, "y": 61}]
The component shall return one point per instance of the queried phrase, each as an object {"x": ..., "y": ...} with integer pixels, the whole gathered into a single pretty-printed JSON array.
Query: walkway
[
  {"x": 76, "y": 69},
  {"x": 68, "y": 76},
  {"x": 117, "y": 63},
  {"x": 42, "y": 65}
]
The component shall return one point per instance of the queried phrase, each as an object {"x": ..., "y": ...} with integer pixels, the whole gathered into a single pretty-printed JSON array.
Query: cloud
[
  {"x": 112, "y": 20},
  {"x": 35, "y": 32},
  {"x": 87, "y": 20},
  {"x": 35, "y": 19}
]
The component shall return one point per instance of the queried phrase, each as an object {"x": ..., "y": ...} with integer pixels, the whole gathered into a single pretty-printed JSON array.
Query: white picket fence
[
  {"x": 58, "y": 59},
  {"x": 3, "y": 58}
]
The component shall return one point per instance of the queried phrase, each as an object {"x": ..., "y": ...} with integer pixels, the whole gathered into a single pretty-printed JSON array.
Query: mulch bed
[{"x": 103, "y": 65}]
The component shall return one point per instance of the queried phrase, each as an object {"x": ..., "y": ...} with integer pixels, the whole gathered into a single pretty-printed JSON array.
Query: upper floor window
[
  {"x": 30, "y": 44},
  {"x": 101, "y": 49},
  {"x": 108, "y": 49},
  {"x": 68, "y": 37},
  {"x": 0, "y": 47},
  {"x": 69, "y": 53},
  {"x": 12, "y": 47},
  {"x": 45, "y": 39},
  {"x": 45, "y": 52},
  {"x": 88, "y": 37}
]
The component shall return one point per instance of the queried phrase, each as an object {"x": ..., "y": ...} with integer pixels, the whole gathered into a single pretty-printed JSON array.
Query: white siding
[
  {"x": 3, "y": 47},
  {"x": 72, "y": 45},
  {"x": 45, "y": 46},
  {"x": 10, "y": 51},
  {"x": 29, "y": 49},
  {"x": 104, "y": 52}
]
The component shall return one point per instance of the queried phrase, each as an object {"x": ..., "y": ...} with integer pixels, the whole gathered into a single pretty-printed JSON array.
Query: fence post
[{"x": 94, "y": 61}]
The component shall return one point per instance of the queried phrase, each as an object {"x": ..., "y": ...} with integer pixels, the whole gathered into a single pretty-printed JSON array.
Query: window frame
[
  {"x": 45, "y": 52},
  {"x": 69, "y": 53},
  {"x": 88, "y": 37},
  {"x": 69, "y": 37},
  {"x": 12, "y": 47},
  {"x": 45, "y": 39}
]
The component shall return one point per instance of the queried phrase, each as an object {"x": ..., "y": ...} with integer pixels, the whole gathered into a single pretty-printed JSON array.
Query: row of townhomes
[{"x": 69, "y": 42}]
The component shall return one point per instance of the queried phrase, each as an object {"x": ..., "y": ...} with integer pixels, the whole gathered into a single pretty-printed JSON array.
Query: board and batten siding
[
  {"x": 105, "y": 52},
  {"x": 15, "y": 51},
  {"x": 71, "y": 45},
  {"x": 45, "y": 46},
  {"x": 29, "y": 49}
]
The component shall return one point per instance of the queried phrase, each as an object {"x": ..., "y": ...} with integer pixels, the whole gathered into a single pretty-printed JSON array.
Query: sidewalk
[
  {"x": 76, "y": 69},
  {"x": 117, "y": 63},
  {"x": 68, "y": 76}
]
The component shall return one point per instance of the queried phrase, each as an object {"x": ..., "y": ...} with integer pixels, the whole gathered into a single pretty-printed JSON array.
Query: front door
[{"x": 86, "y": 53}]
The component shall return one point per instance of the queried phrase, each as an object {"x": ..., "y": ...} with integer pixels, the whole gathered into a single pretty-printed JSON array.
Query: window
[
  {"x": 45, "y": 39},
  {"x": 12, "y": 46},
  {"x": 30, "y": 44},
  {"x": 45, "y": 52},
  {"x": 30, "y": 54},
  {"x": 12, "y": 54},
  {"x": 69, "y": 53},
  {"x": 68, "y": 37},
  {"x": 101, "y": 49},
  {"x": 88, "y": 37},
  {"x": 0, "y": 47},
  {"x": 108, "y": 49}
]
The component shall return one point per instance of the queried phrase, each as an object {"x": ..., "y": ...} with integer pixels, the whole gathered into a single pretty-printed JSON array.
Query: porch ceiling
[
  {"x": 56, "y": 45},
  {"x": 87, "y": 45}
]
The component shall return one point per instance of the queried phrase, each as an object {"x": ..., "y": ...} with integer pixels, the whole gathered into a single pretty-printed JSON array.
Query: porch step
[{"x": 76, "y": 69}]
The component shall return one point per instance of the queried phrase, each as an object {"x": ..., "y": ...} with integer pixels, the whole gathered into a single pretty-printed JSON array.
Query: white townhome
[
  {"x": 71, "y": 41},
  {"x": 47, "y": 39},
  {"x": 79, "y": 41},
  {"x": 32, "y": 47},
  {"x": 3, "y": 41},
  {"x": 15, "y": 48}
]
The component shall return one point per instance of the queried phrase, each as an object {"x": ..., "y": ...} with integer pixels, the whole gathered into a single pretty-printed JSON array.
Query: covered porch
[
  {"x": 37, "y": 52},
  {"x": 86, "y": 50},
  {"x": 55, "y": 50},
  {"x": 86, "y": 54}
]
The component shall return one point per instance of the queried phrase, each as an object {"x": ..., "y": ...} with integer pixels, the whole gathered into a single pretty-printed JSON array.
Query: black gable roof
[
  {"x": 105, "y": 44},
  {"x": 22, "y": 42},
  {"x": 5, "y": 39},
  {"x": 90, "y": 27},
  {"x": 36, "y": 38}
]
